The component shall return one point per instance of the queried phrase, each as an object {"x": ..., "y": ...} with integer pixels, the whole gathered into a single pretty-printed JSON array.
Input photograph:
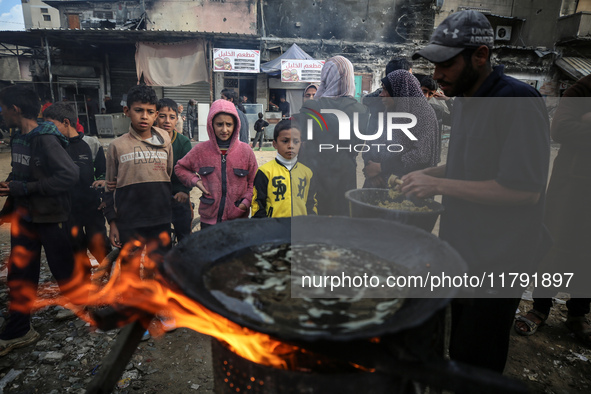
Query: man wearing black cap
[{"x": 492, "y": 184}]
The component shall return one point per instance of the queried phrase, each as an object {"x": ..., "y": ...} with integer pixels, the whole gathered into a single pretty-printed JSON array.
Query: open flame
[{"x": 136, "y": 287}]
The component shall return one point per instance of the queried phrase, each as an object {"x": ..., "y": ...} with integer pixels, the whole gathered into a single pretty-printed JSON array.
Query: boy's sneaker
[
  {"x": 146, "y": 336},
  {"x": 7, "y": 345}
]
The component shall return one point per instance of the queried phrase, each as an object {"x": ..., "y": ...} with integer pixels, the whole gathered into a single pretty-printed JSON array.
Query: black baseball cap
[{"x": 460, "y": 30}]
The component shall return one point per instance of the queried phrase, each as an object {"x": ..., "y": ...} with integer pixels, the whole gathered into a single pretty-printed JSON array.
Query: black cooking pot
[
  {"x": 363, "y": 203},
  {"x": 418, "y": 252}
]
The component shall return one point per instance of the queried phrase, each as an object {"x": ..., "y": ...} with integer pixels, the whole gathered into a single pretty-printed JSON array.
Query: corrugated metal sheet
[
  {"x": 73, "y": 37},
  {"x": 575, "y": 67},
  {"x": 514, "y": 18},
  {"x": 182, "y": 94}
]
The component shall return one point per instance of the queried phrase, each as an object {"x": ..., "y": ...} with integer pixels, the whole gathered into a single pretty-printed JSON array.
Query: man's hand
[
  {"x": 372, "y": 169},
  {"x": 114, "y": 235},
  {"x": 181, "y": 197},
  {"x": 420, "y": 185},
  {"x": 440, "y": 96},
  {"x": 426, "y": 183}
]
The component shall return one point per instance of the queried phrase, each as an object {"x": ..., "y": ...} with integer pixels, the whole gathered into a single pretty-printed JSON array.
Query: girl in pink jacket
[{"x": 223, "y": 168}]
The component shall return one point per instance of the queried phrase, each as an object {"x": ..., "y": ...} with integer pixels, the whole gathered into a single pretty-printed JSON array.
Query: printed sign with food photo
[
  {"x": 301, "y": 70},
  {"x": 236, "y": 60},
  {"x": 286, "y": 75}
]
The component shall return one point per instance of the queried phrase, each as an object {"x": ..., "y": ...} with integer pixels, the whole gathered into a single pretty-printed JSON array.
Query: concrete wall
[
  {"x": 574, "y": 26},
  {"x": 497, "y": 7},
  {"x": 584, "y": 5},
  {"x": 388, "y": 21},
  {"x": 88, "y": 13},
  {"x": 540, "y": 17},
  {"x": 539, "y": 28},
  {"x": 34, "y": 17},
  {"x": 15, "y": 68},
  {"x": 236, "y": 16},
  {"x": 261, "y": 90},
  {"x": 367, "y": 32},
  {"x": 218, "y": 83}
]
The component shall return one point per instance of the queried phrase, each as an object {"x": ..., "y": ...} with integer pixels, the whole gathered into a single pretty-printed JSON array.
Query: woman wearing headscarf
[
  {"x": 310, "y": 92},
  {"x": 337, "y": 78},
  {"x": 373, "y": 101},
  {"x": 334, "y": 169},
  {"x": 402, "y": 93}
]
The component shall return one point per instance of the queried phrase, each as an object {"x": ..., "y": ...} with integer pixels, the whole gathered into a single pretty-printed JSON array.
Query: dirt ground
[{"x": 69, "y": 353}]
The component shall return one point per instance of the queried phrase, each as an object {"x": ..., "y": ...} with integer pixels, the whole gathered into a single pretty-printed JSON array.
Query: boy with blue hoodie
[{"x": 39, "y": 203}]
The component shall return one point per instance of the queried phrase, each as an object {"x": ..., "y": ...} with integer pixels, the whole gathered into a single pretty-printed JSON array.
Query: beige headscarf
[{"x": 337, "y": 78}]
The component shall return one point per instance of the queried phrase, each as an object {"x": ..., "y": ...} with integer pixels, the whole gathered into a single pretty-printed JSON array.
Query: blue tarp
[{"x": 274, "y": 66}]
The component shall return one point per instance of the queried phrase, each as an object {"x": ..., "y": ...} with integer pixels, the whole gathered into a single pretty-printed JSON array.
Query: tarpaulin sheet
[{"x": 171, "y": 64}]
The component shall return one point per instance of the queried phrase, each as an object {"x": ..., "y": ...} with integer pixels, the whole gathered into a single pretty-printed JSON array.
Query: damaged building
[
  {"x": 95, "y": 50},
  {"x": 101, "y": 48},
  {"x": 544, "y": 43}
]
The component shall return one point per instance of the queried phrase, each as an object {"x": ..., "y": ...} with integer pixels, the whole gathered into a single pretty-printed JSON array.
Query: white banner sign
[
  {"x": 301, "y": 70},
  {"x": 236, "y": 60}
]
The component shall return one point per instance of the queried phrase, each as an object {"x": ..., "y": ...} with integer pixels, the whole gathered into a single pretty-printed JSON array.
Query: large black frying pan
[{"x": 185, "y": 266}]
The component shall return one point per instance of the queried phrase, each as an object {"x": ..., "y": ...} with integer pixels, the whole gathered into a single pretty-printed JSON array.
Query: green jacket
[{"x": 181, "y": 145}]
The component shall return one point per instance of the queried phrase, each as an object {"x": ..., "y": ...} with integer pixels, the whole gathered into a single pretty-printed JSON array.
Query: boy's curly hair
[{"x": 141, "y": 94}]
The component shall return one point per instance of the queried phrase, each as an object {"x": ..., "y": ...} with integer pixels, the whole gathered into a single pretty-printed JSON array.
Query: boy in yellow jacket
[{"x": 283, "y": 187}]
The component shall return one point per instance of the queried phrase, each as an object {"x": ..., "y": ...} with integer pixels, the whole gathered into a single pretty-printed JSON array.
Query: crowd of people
[{"x": 493, "y": 183}]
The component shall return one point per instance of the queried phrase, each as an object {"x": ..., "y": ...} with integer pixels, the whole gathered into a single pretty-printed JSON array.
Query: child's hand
[
  {"x": 114, "y": 235},
  {"x": 181, "y": 197},
  {"x": 100, "y": 184},
  {"x": 111, "y": 185},
  {"x": 200, "y": 186}
]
